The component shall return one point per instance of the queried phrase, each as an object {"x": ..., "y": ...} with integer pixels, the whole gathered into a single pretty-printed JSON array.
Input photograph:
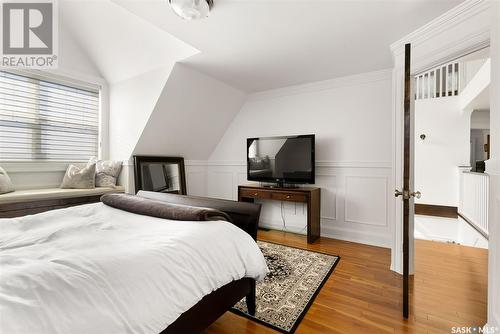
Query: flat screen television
[{"x": 287, "y": 159}]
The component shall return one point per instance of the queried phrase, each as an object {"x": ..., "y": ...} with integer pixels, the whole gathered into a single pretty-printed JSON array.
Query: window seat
[
  {"x": 24, "y": 202},
  {"x": 20, "y": 196}
]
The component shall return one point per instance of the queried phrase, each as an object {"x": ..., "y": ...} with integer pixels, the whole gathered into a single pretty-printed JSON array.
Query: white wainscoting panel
[
  {"x": 354, "y": 199},
  {"x": 328, "y": 195},
  {"x": 366, "y": 200},
  {"x": 220, "y": 183},
  {"x": 196, "y": 180}
]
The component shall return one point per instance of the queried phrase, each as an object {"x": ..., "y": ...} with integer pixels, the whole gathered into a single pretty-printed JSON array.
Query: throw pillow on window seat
[
  {"x": 79, "y": 178},
  {"x": 5, "y": 182},
  {"x": 107, "y": 172}
]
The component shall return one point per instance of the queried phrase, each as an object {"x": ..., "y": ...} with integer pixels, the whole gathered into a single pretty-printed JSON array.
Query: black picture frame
[{"x": 139, "y": 160}]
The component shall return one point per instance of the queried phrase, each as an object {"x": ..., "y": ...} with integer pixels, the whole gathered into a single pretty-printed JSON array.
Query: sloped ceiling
[
  {"x": 244, "y": 46},
  {"x": 266, "y": 44},
  {"x": 120, "y": 44},
  {"x": 190, "y": 117},
  {"x": 72, "y": 57},
  {"x": 134, "y": 56}
]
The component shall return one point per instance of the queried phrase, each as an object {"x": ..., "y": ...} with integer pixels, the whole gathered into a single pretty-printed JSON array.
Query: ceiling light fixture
[{"x": 191, "y": 9}]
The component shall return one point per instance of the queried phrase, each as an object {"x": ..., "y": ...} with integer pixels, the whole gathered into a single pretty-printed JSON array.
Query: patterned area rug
[{"x": 295, "y": 278}]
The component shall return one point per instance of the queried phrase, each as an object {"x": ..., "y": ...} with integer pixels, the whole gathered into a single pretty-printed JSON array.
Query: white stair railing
[
  {"x": 474, "y": 196},
  {"x": 441, "y": 81}
]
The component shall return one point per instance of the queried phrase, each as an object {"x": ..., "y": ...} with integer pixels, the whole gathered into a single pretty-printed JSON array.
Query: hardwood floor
[{"x": 363, "y": 296}]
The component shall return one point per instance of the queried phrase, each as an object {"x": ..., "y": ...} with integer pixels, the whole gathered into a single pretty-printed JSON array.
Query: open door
[{"x": 406, "y": 193}]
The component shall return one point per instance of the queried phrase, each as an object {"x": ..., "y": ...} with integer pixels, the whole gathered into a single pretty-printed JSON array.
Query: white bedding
[{"x": 96, "y": 269}]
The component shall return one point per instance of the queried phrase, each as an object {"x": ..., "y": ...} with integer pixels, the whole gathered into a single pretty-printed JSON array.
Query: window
[{"x": 45, "y": 120}]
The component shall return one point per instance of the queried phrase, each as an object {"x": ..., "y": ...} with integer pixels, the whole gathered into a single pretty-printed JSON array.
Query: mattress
[{"x": 97, "y": 269}]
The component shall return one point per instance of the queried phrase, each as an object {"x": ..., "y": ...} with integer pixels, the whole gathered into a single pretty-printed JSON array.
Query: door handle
[{"x": 406, "y": 194}]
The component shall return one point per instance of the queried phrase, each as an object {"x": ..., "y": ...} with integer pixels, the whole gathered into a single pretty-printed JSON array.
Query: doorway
[
  {"x": 451, "y": 134},
  {"x": 442, "y": 41}
]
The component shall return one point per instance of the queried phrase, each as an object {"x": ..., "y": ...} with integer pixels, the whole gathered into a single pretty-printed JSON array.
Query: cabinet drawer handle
[
  {"x": 287, "y": 196},
  {"x": 255, "y": 194}
]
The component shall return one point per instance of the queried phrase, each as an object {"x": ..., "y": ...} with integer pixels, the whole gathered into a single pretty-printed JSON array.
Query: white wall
[
  {"x": 190, "y": 116},
  {"x": 134, "y": 56},
  {"x": 493, "y": 168},
  {"x": 351, "y": 118},
  {"x": 474, "y": 95},
  {"x": 72, "y": 58},
  {"x": 131, "y": 103},
  {"x": 445, "y": 148},
  {"x": 480, "y": 119},
  {"x": 470, "y": 68},
  {"x": 188, "y": 119}
]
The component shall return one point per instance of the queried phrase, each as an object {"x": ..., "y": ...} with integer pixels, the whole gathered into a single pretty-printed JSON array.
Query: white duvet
[{"x": 95, "y": 269}]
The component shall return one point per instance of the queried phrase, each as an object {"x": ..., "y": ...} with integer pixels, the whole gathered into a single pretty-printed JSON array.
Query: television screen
[{"x": 287, "y": 159}]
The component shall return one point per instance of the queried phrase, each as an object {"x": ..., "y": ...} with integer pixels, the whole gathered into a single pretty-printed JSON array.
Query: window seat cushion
[{"x": 25, "y": 196}]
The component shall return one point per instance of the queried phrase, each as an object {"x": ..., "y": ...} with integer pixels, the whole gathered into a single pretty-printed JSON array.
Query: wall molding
[
  {"x": 318, "y": 86},
  {"x": 446, "y": 21},
  {"x": 451, "y": 49},
  {"x": 357, "y": 221},
  {"x": 334, "y": 232},
  {"x": 223, "y": 178},
  {"x": 319, "y": 163}
]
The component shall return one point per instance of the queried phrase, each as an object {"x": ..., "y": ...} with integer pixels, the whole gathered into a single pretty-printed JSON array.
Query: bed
[{"x": 97, "y": 269}]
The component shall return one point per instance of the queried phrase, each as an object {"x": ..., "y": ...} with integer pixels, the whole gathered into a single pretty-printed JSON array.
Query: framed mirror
[{"x": 160, "y": 174}]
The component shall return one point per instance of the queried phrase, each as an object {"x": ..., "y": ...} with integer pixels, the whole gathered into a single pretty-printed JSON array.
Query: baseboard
[
  {"x": 328, "y": 231},
  {"x": 436, "y": 210}
]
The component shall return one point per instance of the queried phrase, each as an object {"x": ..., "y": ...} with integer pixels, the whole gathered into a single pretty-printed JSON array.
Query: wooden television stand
[{"x": 310, "y": 195}]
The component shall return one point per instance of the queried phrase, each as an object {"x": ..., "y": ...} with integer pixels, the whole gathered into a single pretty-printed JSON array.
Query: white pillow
[
  {"x": 79, "y": 178},
  {"x": 5, "y": 182},
  {"x": 107, "y": 172}
]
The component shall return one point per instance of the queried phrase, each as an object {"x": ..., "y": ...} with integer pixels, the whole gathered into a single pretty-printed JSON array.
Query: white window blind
[{"x": 43, "y": 120}]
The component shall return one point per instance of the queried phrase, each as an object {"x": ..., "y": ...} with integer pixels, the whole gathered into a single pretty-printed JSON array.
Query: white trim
[
  {"x": 353, "y": 164},
  {"x": 335, "y": 232},
  {"x": 465, "y": 28},
  {"x": 451, "y": 50},
  {"x": 319, "y": 163},
  {"x": 342, "y": 82},
  {"x": 451, "y": 18}
]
